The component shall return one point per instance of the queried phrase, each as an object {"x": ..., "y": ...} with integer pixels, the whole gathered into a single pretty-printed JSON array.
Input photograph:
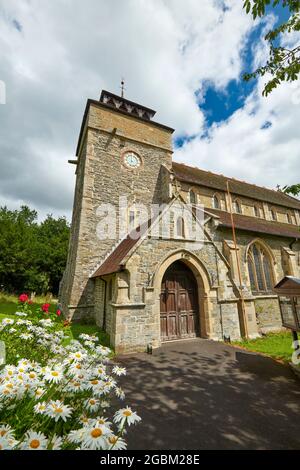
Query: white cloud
[
  {"x": 60, "y": 53},
  {"x": 241, "y": 147}
]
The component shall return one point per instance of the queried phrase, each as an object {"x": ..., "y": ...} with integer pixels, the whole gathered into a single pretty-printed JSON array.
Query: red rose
[
  {"x": 23, "y": 298},
  {"x": 45, "y": 308},
  {"x": 30, "y": 302},
  {"x": 58, "y": 313}
]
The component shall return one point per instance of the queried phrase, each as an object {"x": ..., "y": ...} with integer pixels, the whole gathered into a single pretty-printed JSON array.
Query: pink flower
[
  {"x": 58, "y": 313},
  {"x": 23, "y": 298}
]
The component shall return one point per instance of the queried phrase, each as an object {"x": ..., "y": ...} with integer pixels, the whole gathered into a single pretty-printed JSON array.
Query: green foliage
[
  {"x": 283, "y": 63},
  {"x": 32, "y": 255},
  {"x": 294, "y": 190},
  {"x": 275, "y": 345}
]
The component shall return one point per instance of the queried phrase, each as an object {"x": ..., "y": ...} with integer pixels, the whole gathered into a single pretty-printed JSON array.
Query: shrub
[{"x": 58, "y": 397}]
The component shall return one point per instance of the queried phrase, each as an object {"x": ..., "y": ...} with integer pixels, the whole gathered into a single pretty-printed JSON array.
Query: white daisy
[
  {"x": 53, "y": 375},
  {"x": 120, "y": 393},
  {"x": 7, "y": 444},
  {"x": 8, "y": 321},
  {"x": 21, "y": 314},
  {"x": 78, "y": 356},
  {"x": 34, "y": 441},
  {"x": 39, "y": 392},
  {"x": 6, "y": 431},
  {"x": 105, "y": 404},
  {"x": 100, "y": 371},
  {"x": 40, "y": 408},
  {"x": 116, "y": 443},
  {"x": 76, "y": 368},
  {"x": 119, "y": 370},
  {"x": 92, "y": 404},
  {"x": 76, "y": 436},
  {"x": 126, "y": 415},
  {"x": 57, "y": 410},
  {"x": 56, "y": 442},
  {"x": 94, "y": 437},
  {"x": 26, "y": 336}
]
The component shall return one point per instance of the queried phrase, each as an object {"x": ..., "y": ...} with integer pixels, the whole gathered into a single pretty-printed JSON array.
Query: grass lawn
[
  {"x": 275, "y": 345},
  {"x": 9, "y": 305}
]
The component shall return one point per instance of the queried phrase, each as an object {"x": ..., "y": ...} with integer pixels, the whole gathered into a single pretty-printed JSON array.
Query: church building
[{"x": 151, "y": 279}]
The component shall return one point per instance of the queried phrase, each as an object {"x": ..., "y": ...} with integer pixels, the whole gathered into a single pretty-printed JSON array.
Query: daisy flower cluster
[{"x": 64, "y": 396}]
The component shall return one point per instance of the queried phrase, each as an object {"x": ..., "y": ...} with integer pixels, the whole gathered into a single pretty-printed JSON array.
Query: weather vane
[{"x": 122, "y": 87}]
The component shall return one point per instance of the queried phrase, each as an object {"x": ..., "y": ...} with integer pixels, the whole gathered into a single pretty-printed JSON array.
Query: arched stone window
[
  {"x": 256, "y": 211},
  {"x": 237, "y": 207},
  {"x": 180, "y": 232},
  {"x": 273, "y": 214},
  {"x": 193, "y": 197},
  {"x": 260, "y": 269},
  {"x": 216, "y": 202}
]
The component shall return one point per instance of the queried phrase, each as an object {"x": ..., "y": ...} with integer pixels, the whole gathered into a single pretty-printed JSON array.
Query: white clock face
[{"x": 132, "y": 160}]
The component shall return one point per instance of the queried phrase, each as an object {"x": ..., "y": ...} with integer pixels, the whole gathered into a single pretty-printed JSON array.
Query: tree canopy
[
  {"x": 284, "y": 62},
  {"x": 32, "y": 255}
]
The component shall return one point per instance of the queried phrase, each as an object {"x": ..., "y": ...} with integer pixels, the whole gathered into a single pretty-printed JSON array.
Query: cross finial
[{"x": 122, "y": 87}]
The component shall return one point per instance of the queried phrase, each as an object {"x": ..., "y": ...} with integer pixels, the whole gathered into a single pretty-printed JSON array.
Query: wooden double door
[{"x": 179, "y": 310}]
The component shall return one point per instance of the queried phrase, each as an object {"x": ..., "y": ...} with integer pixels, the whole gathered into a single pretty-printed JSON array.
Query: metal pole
[{"x": 238, "y": 263}]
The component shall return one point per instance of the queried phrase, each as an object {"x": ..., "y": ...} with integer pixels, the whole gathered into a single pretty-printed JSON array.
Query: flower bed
[{"x": 55, "y": 396}]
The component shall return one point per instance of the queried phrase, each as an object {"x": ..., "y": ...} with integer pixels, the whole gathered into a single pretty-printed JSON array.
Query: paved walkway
[{"x": 201, "y": 394}]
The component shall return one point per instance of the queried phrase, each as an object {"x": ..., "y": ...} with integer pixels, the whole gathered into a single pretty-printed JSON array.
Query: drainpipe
[{"x": 104, "y": 306}]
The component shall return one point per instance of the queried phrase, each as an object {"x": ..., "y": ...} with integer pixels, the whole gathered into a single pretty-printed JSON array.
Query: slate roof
[
  {"x": 196, "y": 176},
  {"x": 113, "y": 262},
  {"x": 254, "y": 224}
]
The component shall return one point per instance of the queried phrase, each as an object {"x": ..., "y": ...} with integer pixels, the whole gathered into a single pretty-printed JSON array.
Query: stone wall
[
  {"x": 268, "y": 314},
  {"x": 101, "y": 179}
]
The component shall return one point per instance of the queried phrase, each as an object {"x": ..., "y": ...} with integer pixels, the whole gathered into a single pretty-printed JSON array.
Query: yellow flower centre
[
  {"x": 55, "y": 374},
  {"x": 6, "y": 392},
  {"x": 113, "y": 439},
  {"x": 97, "y": 432},
  {"x": 58, "y": 410},
  {"x": 78, "y": 366},
  {"x": 9, "y": 385},
  {"x": 32, "y": 375},
  {"x": 94, "y": 382},
  {"x": 2, "y": 432},
  {"x": 34, "y": 444},
  {"x": 127, "y": 413},
  {"x": 10, "y": 372},
  {"x": 92, "y": 402}
]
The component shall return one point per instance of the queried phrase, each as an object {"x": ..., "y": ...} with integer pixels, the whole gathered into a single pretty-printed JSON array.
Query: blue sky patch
[{"x": 218, "y": 105}]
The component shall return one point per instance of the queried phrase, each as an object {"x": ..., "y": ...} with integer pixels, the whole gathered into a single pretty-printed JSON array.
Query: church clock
[{"x": 132, "y": 160}]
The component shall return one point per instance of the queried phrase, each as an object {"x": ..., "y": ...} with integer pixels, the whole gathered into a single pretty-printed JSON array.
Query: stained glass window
[{"x": 260, "y": 270}]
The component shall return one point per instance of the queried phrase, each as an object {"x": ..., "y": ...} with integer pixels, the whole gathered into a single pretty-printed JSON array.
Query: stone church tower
[
  {"x": 121, "y": 152},
  {"x": 150, "y": 289}
]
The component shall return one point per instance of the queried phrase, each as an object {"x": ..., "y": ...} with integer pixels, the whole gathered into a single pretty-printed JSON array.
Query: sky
[{"x": 185, "y": 59}]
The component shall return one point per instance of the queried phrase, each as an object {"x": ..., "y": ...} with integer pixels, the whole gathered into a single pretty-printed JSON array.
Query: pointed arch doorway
[{"x": 179, "y": 307}]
